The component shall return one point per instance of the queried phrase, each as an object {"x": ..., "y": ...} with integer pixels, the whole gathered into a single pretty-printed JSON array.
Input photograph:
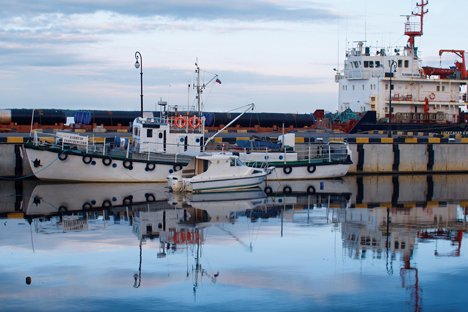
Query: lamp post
[
  {"x": 390, "y": 75},
  {"x": 139, "y": 64}
]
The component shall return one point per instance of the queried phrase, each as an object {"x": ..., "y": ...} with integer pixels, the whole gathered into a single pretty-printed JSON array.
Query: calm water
[{"x": 363, "y": 243}]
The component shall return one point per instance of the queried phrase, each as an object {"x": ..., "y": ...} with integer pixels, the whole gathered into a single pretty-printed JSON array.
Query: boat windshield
[
  {"x": 239, "y": 162},
  {"x": 236, "y": 162}
]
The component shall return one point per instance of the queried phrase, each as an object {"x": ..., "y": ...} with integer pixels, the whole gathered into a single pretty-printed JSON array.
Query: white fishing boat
[
  {"x": 316, "y": 160},
  {"x": 215, "y": 171},
  {"x": 149, "y": 155}
]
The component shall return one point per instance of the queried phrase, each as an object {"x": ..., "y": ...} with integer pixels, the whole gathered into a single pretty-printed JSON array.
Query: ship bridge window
[
  {"x": 377, "y": 63},
  {"x": 443, "y": 88},
  {"x": 406, "y": 63},
  {"x": 149, "y": 133},
  {"x": 366, "y": 64},
  {"x": 438, "y": 88},
  {"x": 371, "y": 64},
  {"x": 356, "y": 64},
  {"x": 400, "y": 63}
]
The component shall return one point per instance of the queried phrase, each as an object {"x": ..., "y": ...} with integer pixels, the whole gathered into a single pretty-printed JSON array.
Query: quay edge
[{"x": 371, "y": 155}]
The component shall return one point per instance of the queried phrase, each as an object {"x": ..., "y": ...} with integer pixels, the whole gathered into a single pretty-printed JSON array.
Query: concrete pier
[{"x": 371, "y": 155}]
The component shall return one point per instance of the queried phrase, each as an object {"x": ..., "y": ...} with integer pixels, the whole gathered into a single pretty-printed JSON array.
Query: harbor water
[{"x": 375, "y": 243}]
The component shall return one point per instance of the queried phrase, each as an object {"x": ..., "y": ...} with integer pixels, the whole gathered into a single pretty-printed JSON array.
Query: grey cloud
[{"x": 244, "y": 10}]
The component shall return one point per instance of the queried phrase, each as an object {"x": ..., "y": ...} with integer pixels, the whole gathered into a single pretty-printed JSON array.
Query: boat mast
[
  {"x": 410, "y": 30},
  {"x": 201, "y": 87},
  {"x": 199, "y": 90}
]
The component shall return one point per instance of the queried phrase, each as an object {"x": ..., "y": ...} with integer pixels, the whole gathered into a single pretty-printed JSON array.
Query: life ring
[
  {"x": 311, "y": 168},
  {"x": 87, "y": 159},
  {"x": 128, "y": 164},
  {"x": 106, "y": 161},
  {"x": 287, "y": 190},
  {"x": 63, "y": 156},
  {"x": 179, "y": 238},
  {"x": 87, "y": 206},
  {"x": 180, "y": 122},
  {"x": 106, "y": 203},
  {"x": 150, "y": 197},
  {"x": 191, "y": 238},
  {"x": 432, "y": 95},
  {"x": 150, "y": 166},
  {"x": 268, "y": 190},
  {"x": 311, "y": 190},
  {"x": 177, "y": 167},
  {"x": 194, "y": 122},
  {"x": 287, "y": 169}
]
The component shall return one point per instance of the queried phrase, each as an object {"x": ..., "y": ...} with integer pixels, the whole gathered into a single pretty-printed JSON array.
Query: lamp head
[{"x": 137, "y": 64}]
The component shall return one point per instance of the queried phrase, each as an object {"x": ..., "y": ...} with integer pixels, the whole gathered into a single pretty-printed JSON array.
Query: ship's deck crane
[{"x": 460, "y": 66}]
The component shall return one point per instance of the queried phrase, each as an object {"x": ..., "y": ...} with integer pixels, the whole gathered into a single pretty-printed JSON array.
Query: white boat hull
[
  {"x": 74, "y": 168},
  {"x": 309, "y": 171},
  {"x": 192, "y": 185}
]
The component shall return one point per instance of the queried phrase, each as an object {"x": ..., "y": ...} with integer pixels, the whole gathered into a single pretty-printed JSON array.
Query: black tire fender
[
  {"x": 311, "y": 190},
  {"x": 63, "y": 156},
  {"x": 128, "y": 164},
  {"x": 150, "y": 166},
  {"x": 87, "y": 206},
  {"x": 87, "y": 159},
  {"x": 311, "y": 168},
  {"x": 106, "y": 161}
]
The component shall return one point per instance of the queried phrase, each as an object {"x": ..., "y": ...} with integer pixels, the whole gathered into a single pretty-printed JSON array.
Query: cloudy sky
[{"x": 280, "y": 55}]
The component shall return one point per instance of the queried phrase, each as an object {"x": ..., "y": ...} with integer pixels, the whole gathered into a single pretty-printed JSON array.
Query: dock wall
[
  {"x": 370, "y": 156},
  {"x": 409, "y": 158}
]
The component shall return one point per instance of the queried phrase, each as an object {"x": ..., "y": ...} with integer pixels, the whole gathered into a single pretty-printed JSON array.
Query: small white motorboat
[{"x": 211, "y": 172}]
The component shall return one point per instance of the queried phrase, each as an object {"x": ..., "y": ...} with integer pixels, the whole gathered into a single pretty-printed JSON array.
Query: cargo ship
[{"x": 388, "y": 89}]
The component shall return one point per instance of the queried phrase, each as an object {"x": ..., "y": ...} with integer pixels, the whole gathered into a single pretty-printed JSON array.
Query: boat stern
[{"x": 175, "y": 183}]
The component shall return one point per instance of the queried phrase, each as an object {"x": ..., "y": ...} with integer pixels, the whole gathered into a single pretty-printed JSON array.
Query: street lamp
[
  {"x": 139, "y": 64},
  {"x": 390, "y": 75}
]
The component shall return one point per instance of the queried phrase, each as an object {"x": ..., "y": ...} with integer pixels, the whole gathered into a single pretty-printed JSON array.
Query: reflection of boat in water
[
  {"x": 57, "y": 199},
  {"x": 306, "y": 187}
]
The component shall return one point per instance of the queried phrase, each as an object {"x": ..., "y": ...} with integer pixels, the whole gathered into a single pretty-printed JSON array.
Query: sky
[{"x": 280, "y": 55}]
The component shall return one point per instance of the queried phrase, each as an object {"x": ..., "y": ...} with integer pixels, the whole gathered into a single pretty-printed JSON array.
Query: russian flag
[{"x": 218, "y": 81}]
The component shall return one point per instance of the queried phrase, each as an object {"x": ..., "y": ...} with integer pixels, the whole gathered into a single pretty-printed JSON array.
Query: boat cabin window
[
  {"x": 406, "y": 63},
  {"x": 149, "y": 133},
  {"x": 377, "y": 63},
  {"x": 160, "y": 135},
  {"x": 236, "y": 162},
  {"x": 366, "y": 64},
  {"x": 400, "y": 63},
  {"x": 136, "y": 131},
  {"x": 371, "y": 64}
]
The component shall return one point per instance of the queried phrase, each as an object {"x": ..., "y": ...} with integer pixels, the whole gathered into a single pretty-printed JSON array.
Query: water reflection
[{"x": 257, "y": 240}]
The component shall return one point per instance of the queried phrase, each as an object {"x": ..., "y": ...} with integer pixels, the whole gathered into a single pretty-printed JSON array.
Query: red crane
[{"x": 460, "y": 66}]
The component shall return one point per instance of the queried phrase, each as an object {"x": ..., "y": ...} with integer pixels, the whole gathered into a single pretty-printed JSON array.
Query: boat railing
[
  {"x": 332, "y": 151},
  {"x": 71, "y": 141}
]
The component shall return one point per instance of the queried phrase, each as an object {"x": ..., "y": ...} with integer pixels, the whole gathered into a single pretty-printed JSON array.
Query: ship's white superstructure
[{"x": 418, "y": 95}]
